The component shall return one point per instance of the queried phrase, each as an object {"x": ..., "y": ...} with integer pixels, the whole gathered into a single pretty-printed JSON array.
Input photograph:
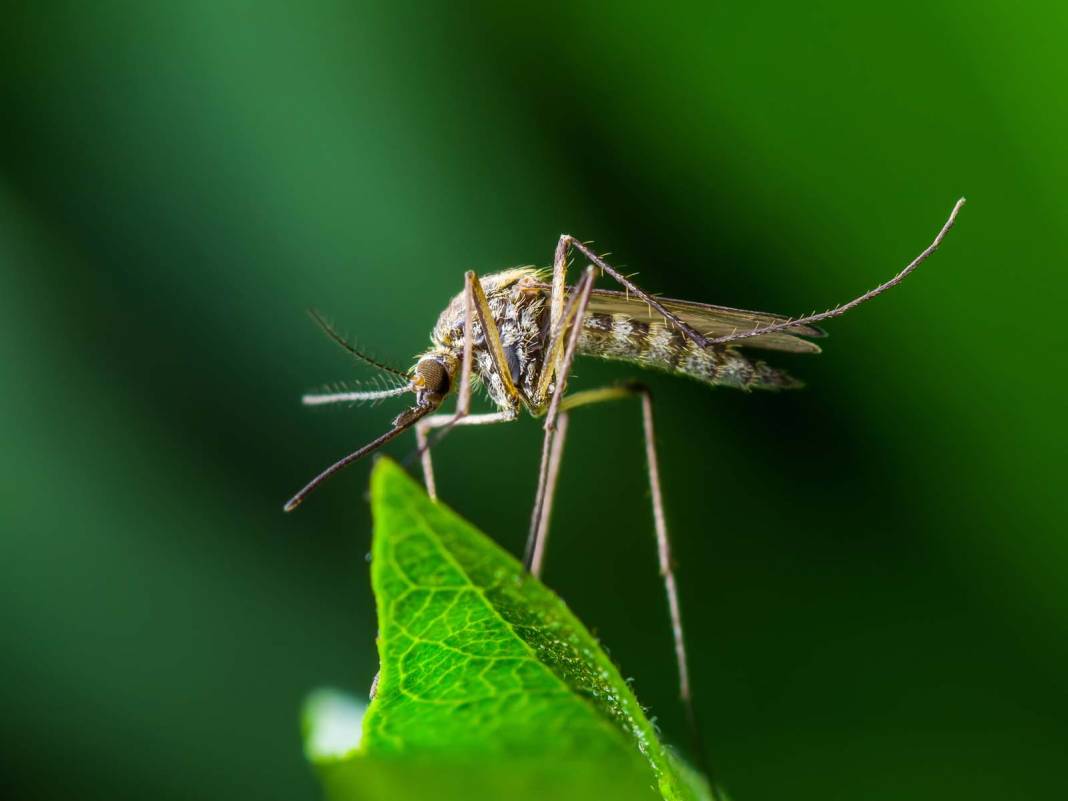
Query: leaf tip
[{"x": 385, "y": 471}]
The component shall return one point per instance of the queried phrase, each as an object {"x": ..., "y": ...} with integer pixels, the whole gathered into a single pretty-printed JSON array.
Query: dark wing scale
[{"x": 712, "y": 321}]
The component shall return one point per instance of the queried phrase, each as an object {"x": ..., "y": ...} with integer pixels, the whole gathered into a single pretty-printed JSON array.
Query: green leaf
[{"x": 489, "y": 685}]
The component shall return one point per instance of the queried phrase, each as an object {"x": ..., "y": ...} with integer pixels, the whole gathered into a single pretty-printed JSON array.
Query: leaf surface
[{"x": 489, "y": 685}]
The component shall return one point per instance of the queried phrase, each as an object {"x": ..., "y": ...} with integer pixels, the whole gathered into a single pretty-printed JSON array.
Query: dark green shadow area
[{"x": 872, "y": 569}]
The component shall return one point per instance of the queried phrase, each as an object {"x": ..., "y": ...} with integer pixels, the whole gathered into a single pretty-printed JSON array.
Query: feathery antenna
[
  {"x": 340, "y": 340},
  {"x": 320, "y": 399}
]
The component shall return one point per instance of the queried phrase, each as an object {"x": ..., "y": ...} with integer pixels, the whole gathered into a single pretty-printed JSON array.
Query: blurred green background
[{"x": 872, "y": 569}]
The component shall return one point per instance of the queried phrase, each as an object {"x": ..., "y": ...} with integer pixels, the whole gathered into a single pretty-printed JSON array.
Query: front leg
[
  {"x": 447, "y": 421},
  {"x": 475, "y": 304}
]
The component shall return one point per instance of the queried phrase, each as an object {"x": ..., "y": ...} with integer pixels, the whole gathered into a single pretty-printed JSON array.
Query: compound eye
[{"x": 435, "y": 377}]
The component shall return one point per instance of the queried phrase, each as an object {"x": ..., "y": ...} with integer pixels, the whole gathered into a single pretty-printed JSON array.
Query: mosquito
[{"x": 517, "y": 332}]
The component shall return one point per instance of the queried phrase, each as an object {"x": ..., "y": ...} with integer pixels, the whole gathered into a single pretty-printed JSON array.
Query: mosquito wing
[{"x": 712, "y": 321}]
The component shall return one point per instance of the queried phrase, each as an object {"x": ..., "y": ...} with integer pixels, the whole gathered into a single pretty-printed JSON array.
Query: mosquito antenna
[
  {"x": 340, "y": 340},
  {"x": 838, "y": 311},
  {"x": 408, "y": 419},
  {"x": 322, "y": 398}
]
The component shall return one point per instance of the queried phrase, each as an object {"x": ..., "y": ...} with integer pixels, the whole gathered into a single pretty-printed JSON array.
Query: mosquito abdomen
[{"x": 653, "y": 344}]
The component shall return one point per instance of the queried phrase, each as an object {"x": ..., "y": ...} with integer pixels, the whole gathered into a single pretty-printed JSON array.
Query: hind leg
[{"x": 536, "y": 555}]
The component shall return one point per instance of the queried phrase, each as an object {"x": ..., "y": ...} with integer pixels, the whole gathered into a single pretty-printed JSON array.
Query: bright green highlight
[{"x": 331, "y": 721}]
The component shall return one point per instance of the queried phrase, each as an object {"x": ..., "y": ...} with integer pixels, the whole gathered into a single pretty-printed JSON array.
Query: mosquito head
[{"x": 432, "y": 378}]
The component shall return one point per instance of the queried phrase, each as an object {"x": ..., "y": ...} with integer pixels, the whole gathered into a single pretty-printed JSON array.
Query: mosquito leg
[
  {"x": 556, "y": 366},
  {"x": 838, "y": 311},
  {"x": 562, "y": 366},
  {"x": 567, "y": 242},
  {"x": 559, "y": 317},
  {"x": 447, "y": 422},
  {"x": 423, "y": 444},
  {"x": 463, "y": 398},
  {"x": 564, "y": 246},
  {"x": 547, "y": 492},
  {"x": 536, "y": 512},
  {"x": 559, "y": 314},
  {"x": 667, "y": 572},
  {"x": 475, "y": 304},
  {"x": 663, "y": 541},
  {"x": 443, "y": 420}
]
